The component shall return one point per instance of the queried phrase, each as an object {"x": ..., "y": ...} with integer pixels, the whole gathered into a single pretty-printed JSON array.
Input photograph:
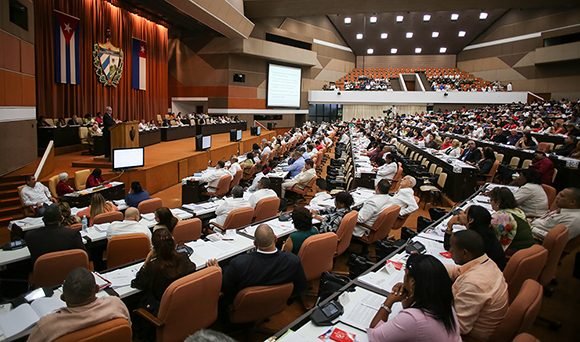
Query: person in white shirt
[
  {"x": 36, "y": 196},
  {"x": 531, "y": 197},
  {"x": 129, "y": 225},
  {"x": 405, "y": 197},
  {"x": 259, "y": 175},
  {"x": 263, "y": 191},
  {"x": 568, "y": 214},
  {"x": 212, "y": 178},
  {"x": 266, "y": 149},
  {"x": 236, "y": 201},
  {"x": 454, "y": 150},
  {"x": 344, "y": 138},
  {"x": 478, "y": 133},
  {"x": 234, "y": 166},
  {"x": 372, "y": 207},
  {"x": 387, "y": 168},
  {"x": 509, "y": 86},
  {"x": 302, "y": 179}
]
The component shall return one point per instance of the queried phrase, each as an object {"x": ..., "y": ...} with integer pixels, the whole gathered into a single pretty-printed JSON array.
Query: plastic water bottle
[{"x": 85, "y": 223}]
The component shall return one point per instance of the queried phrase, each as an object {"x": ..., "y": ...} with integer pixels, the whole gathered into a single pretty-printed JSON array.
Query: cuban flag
[
  {"x": 139, "y": 77},
  {"x": 66, "y": 49}
]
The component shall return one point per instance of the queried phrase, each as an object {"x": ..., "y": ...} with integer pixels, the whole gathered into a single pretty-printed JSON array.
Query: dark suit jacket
[
  {"x": 108, "y": 122},
  {"x": 259, "y": 269},
  {"x": 470, "y": 156},
  {"x": 52, "y": 239}
]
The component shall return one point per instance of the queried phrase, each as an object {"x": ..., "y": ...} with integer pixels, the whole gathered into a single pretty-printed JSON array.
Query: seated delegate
[
  {"x": 62, "y": 187},
  {"x": 302, "y": 220},
  {"x": 36, "y": 196},
  {"x": 136, "y": 195},
  {"x": 331, "y": 217},
  {"x": 509, "y": 222},
  {"x": 230, "y": 203},
  {"x": 371, "y": 209},
  {"x": 130, "y": 225},
  {"x": 95, "y": 178}
]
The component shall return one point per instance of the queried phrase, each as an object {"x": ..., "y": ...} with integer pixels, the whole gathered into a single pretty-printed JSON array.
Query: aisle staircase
[{"x": 10, "y": 208}]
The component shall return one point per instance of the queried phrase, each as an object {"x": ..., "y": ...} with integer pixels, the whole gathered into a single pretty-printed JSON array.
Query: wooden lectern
[{"x": 125, "y": 135}]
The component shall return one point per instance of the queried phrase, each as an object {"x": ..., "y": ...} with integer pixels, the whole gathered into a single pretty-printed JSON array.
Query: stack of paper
[{"x": 25, "y": 316}]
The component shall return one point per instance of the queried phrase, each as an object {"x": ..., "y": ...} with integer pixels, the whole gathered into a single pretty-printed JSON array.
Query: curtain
[{"x": 91, "y": 96}]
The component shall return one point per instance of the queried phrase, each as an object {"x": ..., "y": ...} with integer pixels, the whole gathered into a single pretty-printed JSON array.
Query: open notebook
[{"x": 26, "y": 315}]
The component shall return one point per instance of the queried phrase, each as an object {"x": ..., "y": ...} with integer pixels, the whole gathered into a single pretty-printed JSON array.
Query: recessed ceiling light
[
  {"x": 426, "y": 17},
  {"x": 347, "y": 20},
  {"x": 435, "y": 34},
  {"x": 373, "y": 19},
  {"x": 483, "y": 15},
  {"x": 418, "y": 50},
  {"x": 399, "y": 18},
  {"x": 370, "y": 51},
  {"x": 409, "y": 35},
  {"x": 454, "y": 16},
  {"x": 461, "y": 34},
  {"x": 359, "y": 36},
  {"x": 393, "y": 50},
  {"x": 384, "y": 35},
  {"x": 442, "y": 50}
]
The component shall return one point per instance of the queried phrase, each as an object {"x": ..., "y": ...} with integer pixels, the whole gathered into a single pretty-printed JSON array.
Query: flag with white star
[
  {"x": 66, "y": 48},
  {"x": 139, "y": 61}
]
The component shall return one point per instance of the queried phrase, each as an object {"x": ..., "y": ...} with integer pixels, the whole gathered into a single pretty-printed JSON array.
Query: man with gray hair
[
  {"x": 108, "y": 123},
  {"x": 130, "y": 225},
  {"x": 264, "y": 267},
  {"x": 236, "y": 201},
  {"x": 62, "y": 187},
  {"x": 405, "y": 197}
]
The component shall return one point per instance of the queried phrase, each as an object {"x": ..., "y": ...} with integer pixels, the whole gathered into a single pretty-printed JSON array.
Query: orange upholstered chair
[
  {"x": 81, "y": 179},
  {"x": 150, "y": 205},
  {"x": 77, "y": 227},
  {"x": 118, "y": 330},
  {"x": 257, "y": 303},
  {"x": 188, "y": 305},
  {"x": 308, "y": 192},
  {"x": 107, "y": 217},
  {"x": 51, "y": 269},
  {"x": 395, "y": 183},
  {"x": 344, "y": 232},
  {"x": 521, "y": 313},
  {"x": 382, "y": 226},
  {"x": 52, "y": 182},
  {"x": 554, "y": 243},
  {"x": 545, "y": 146},
  {"x": 550, "y": 193},
  {"x": 266, "y": 208},
  {"x": 524, "y": 264},
  {"x": 187, "y": 230},
  {"x": 400, "y": 221},
  {"x": 223, "y": 187},
  {"x": 237, "y": 218},
  {"x": 317, "y": 254},
  {"x": 126, "y": 248},
  {"x": 236, "y": 179}
]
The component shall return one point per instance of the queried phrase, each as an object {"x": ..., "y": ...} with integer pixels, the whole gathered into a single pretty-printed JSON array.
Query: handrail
[
  {"x": 44, "y": 159},
  {"x": 256, "y": 122},
  {"x": 402, "y": 82},
  {"x": 541, "y": 99},
  {"x": 419, "y": 81}
]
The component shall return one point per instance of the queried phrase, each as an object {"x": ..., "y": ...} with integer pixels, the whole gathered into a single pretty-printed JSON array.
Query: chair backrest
[
  {"x": 492, "y": 172},
  {"x": 514, "y": 162},
  {"x": 521, "y": 313},
  {"x": 396, "y": 183},
  {"x": 550, "y": 193},
  {"x": 76, "y": 226},
  {"x": 384, "y": 223},
  {"x": 499, "y": 157},
  {"x": 317, "y": 254},
  {"x": 84, "y": 135},
  {"x": 554, "y": 243},
  {"x": 545, "y": 146},
  {"x": 189, "y": 304},
  {"x": 81, "y": 179},
  {"x": 126, "y": 248},
  {"x": 223, "y": 186},
  {"x": 150, "y": 205},
  {"x": 524, "y": 264},
  {"x": 442, "y": 180},
  {"x": 344, "y": 232},
  {"x": 187, "y": 230},
  {"x": 257, "y": 303},
  {"x": 107, "y": 217},
  {"x": 525, "y": 337},
  {"x": 52, "y": 181},
  {"x": 526, "y": 163},
  {"x": 432, "y": 168},
  {"x": 236, "y": 179},
  {"x": 238, "y": 218},
  {"x": 51, "y": 269},
  {"x": 266, "y": 208},
  {"x": 118, "y": 330}
]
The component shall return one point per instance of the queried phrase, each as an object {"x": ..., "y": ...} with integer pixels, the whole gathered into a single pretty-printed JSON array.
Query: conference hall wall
[
  {"x": 82, "y": 91},
  {"x": 512, "y": 50}
]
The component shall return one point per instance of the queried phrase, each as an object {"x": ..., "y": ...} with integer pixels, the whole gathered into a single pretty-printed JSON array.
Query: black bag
[
  {"x": 407, "y": 233},
  {"x": 357, "y": 265},
  {"x": 422, "y": 223},
  {"x": 437, "y": 213},
  {"x": 330, "y": 283},
  {"x": 385, "y": 247}
]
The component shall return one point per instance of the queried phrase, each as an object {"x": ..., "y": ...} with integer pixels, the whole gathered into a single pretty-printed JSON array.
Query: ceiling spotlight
[
  {"x": 461, "y": 34},
  {"x": 393, "y": 50},
  {"x": 384, "y": 35},
  {"x": 435, "y": 34},
  {"x": 483, "y": 15},
  {"x": 426, "y": 17},
  {"x": 399, "y": 18},
  {"x": 359, "y": 36},
  {"x": 347, "y": 20},
  {"x": 373, "y": 19},
  {"x": 442, "y": 50},
  {"x": 409, "y": 35},
  {"x": 370, "y": 51},
  {"x": 454, "y": 16}
]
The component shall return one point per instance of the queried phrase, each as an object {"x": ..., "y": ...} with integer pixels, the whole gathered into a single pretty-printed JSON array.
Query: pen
[{"x": 368, "y": 306}]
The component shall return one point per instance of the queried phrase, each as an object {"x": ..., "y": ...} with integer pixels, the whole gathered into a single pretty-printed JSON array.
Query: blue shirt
[
  {"x": 296, "y": 167},
  {"x": 133, "y": 200}
]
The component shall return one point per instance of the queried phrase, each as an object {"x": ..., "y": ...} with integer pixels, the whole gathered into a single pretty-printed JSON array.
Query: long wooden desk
[
  {"x": 176, "y": 133},
  {"x": 82, "y": 198},
  {"x": 62, "y": 136},
  {"x": 210, "y": 129}
]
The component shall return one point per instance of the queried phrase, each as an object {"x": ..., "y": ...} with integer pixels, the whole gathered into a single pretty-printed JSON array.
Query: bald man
[
  {"x": 266, "y": 266},
  {"x": 405, "y": 197},
  {"x": 130, "y": 225}
]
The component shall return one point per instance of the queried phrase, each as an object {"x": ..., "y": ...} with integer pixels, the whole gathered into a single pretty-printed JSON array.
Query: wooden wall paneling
[
  {"x": 182, "y": 167},
  {"x": 223, "y": 153},
  {"x": 162, "y": 177},
  {"x": 197, "y": 162}
]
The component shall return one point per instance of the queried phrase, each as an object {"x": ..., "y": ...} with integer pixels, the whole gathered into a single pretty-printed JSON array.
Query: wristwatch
[{"x": 387, "y": 309}]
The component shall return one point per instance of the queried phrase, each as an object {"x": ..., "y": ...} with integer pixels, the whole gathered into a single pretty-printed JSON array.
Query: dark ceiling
[{"x": 441, "y": 22}]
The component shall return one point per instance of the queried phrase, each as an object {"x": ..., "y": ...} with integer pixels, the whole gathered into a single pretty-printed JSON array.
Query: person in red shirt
[
  {"x": 95, "y": 178},
  {"x": 62, "y": 187},
  {"x": 544, "y": 166},
  {"x": 446, "y": 143}
]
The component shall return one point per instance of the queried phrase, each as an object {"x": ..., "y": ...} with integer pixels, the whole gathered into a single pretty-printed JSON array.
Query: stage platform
[{"x": 166, "y": 163}]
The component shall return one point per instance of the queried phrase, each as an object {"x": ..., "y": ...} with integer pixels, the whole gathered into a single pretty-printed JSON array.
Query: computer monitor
[
  {"x": 235, "y": 135},
  {"x": 239, "y": 135},
  {"x": 256, "y": 130},
  {"x": 126, "y": 158},
  {"x": 202, "y": 142}
]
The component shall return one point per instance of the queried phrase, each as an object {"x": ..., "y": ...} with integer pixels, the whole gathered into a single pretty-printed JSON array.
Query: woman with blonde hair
[{"x": 98, "y": 206}]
